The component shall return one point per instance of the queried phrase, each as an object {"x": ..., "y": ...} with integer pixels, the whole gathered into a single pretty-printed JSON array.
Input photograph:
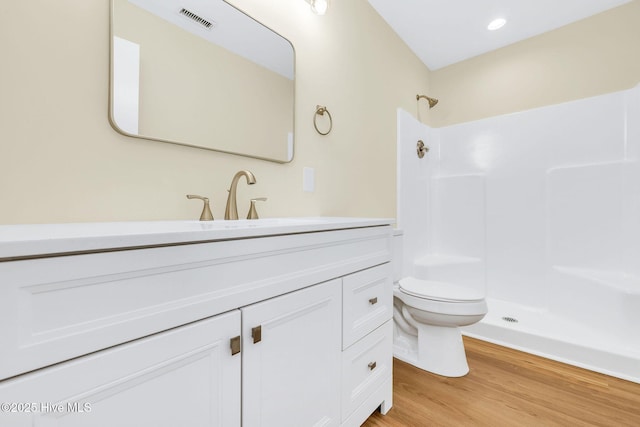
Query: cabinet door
[
  {"x": 292, "y": 359},
  {"x": 182, "y": 377}
]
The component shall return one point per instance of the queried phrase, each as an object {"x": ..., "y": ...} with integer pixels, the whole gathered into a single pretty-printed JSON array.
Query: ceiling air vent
[{"x": 197, "y": 19}]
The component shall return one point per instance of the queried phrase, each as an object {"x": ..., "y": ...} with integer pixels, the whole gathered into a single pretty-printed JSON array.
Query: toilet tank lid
[{"x": 439, "y": 291}]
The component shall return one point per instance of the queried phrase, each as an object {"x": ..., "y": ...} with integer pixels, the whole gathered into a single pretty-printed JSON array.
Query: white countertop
[{"x": 19, "y": 241}]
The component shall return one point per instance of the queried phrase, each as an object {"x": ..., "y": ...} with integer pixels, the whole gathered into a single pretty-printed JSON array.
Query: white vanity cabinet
[
  {"x": 182, "y": 377},
  {"x": 292, "y": 359},
  {"x": 262, "y": 328}
]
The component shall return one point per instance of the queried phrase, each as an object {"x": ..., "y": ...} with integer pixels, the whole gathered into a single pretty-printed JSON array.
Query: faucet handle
[
  {"x": 253, "y": 213},
  {"x": 206, "y": 214}
]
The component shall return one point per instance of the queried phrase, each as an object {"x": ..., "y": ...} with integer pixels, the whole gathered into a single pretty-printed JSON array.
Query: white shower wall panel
[
  {"x": 631, "y": 217},
  {"x": 515, "y": 221},
  {"x": 632, "y": 146},
  {"x": 468, "y": 149},
  {"x": 458, "y": 216},
  {"x": 586, "y": 131},
  {"x": 507, "y": 150},
  {"x": 632, "y": 181},
  {"x": 457, "y": 242},
  {"x": 413, "y": 191},
  {"x": 585, "y": 216},
  {"x": 604, "y": 301},
  {"x": 536, "y": 211}
]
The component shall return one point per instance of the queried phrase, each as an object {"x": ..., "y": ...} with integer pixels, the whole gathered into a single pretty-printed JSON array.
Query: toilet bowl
[{"x": 427, "y": 316}]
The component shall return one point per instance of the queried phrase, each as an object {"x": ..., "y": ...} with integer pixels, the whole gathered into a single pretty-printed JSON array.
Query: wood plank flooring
[{"x": 506, "y": 387}]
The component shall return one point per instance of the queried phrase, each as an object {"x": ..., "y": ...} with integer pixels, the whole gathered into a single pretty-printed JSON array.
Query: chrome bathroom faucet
[{"x": 231, "y": 212}]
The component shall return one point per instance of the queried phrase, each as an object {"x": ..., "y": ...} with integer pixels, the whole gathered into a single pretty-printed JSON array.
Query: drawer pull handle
[
  {"x": 372, "y": 366},
  {"x": 235, "y": 345},
  {"x": 256, "y": 334},
  {"x": 373, "y": 301}
]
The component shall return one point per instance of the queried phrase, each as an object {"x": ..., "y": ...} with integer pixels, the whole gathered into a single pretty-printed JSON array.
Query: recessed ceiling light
[
  {"x": 496, "y": 24},
  {"x": 319, "y": 7}
]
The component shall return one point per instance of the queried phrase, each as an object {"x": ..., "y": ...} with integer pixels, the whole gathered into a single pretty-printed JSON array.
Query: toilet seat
[
  {"x": 439, "y": 291},
  {"x": 443, "y": 302}
]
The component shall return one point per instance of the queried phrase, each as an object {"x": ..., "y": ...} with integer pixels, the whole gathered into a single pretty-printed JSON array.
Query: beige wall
[
  {"x": 597, "y": 55},
  {"x": 60, "y": 160}
]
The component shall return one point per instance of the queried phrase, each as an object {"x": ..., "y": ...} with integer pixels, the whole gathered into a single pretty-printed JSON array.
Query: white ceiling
[{"x": 443, "y": 32}]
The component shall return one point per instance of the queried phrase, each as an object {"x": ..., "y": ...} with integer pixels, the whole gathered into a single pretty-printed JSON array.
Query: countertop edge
[{"x": 38, "y": 241}]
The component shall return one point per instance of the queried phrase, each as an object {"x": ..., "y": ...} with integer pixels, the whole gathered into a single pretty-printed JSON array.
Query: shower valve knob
[{"x": 421, "y": 149}]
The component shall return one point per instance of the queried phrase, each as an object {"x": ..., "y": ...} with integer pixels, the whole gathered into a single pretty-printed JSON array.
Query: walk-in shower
[{"x": 541, "y": 210}]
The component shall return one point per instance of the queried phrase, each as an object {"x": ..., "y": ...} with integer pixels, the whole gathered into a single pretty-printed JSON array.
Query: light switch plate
[{"x": 308, "y": 180}]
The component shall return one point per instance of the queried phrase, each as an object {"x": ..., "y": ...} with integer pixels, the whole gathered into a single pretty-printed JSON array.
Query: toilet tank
[{"x": 396, "y": 253}]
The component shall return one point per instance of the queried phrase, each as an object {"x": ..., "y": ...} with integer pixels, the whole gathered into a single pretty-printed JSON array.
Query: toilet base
[
  {"x": 441, "y": 351},
  {"x": 438, "y": 349}
]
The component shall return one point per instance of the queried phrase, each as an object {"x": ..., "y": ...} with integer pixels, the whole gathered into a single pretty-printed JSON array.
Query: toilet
[{"x": 427, "y": 318}]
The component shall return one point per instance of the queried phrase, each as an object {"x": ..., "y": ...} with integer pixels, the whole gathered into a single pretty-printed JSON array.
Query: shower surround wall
[{"x": 541, "y": 209}]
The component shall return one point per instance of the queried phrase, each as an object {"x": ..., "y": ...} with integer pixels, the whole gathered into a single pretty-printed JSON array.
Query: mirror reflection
[{"x": 203, "y": 74}]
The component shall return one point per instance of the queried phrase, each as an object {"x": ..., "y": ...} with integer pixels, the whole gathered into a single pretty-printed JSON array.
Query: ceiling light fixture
[
  {"x": 319, "y": 7},
  {"x": 496, "y": 24}
]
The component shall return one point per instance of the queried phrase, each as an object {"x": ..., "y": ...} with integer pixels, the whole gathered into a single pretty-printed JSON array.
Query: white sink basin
[{"x": 19, "y": 241}]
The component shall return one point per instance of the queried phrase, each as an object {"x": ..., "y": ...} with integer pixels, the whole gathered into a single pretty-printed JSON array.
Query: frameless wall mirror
[{"x": 201, "y": 73}]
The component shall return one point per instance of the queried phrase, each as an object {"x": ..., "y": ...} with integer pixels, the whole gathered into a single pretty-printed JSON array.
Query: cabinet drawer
[
  {"x": 366, "y": 366},
  {"x": 367, "y": 302}
]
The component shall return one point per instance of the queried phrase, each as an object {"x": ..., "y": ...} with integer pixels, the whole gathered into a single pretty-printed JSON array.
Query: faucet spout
[{"x": 231, "y": 212}]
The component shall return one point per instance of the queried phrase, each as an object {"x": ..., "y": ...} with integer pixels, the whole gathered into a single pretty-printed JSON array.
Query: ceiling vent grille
[{"x": 197, "y": 19}]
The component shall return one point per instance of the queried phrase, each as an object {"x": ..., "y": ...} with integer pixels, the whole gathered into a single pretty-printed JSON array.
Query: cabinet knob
[
  {"x": 373, "y": 301},
  {"x": 372, "y": 366}
]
